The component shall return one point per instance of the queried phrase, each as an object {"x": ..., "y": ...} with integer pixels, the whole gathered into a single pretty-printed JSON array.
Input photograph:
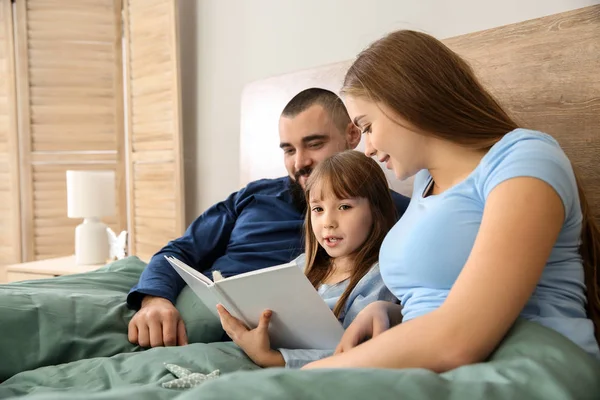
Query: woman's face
[{"x": 387, "y": 137}]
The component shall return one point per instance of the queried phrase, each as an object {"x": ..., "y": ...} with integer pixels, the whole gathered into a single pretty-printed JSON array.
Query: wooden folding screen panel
[
  {"x": 156, "y": 211},
  {"x": 10, "y": 223},
  {"x": 70, "y": 96}
]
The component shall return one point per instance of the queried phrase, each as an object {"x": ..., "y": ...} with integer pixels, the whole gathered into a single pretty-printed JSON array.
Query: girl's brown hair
[
  {"x": 349, "y": 174},
  {"x": 436, "y": 91}
]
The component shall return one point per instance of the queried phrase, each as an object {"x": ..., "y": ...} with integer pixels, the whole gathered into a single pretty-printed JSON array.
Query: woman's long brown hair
[
  {"x": 436, "y": 91},
  {"x": 349, "y": 174}
]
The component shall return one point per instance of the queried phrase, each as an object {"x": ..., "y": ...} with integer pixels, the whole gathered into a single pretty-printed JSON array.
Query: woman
[{"x": 498, "y": 226}]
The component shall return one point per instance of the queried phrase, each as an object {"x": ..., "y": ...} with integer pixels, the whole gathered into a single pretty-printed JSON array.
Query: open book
[{"x": 301, "y": 319}]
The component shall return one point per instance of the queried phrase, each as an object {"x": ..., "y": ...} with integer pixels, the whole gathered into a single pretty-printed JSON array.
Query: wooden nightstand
[{"x": 46, "y": 269}]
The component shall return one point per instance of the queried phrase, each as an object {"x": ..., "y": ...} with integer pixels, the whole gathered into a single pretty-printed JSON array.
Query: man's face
[{"x": 309, "y": 138}]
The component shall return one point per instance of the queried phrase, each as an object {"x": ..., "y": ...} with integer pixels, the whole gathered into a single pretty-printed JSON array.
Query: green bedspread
[
  {"x": 79, "y": 322},
  {"x": 69, "y": 318}
]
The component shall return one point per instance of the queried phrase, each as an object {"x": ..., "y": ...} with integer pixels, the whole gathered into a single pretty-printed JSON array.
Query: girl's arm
[
  {"x": 297, "y": 358},
  {"x": 521, "y": 222},
  {"x": 371, "y": 289}
]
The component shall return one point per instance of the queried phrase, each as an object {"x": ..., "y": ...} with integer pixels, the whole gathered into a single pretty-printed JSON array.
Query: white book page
[
  {"x": 200, "y": 284},
  {"x": 263, "y": 270},
  {"x": 301, "y": 319},
  {"x": 189, "y": 270}
]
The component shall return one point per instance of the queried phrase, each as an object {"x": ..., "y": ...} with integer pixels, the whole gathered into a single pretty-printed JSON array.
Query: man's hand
[
  {"x": 255, "y": 342},
  {"x": 374, "y": 319},
  {"x": 157, "y": 323}
]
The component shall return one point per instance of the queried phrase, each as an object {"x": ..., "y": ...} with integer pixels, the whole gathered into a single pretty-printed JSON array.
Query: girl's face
[
  {"x": 340, "y": 226},
  {"x": 402, "y": 149}
]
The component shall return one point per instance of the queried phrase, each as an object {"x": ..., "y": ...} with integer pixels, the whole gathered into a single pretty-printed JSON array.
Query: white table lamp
[{"x": 91, "y": 196}]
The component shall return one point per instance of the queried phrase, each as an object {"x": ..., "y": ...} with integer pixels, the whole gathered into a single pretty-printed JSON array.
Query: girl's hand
[
  {"x": 255, "y": 342},
  {"x": 374, "y": 319}
]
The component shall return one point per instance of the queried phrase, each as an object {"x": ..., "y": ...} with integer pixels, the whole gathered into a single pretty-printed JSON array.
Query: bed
[{"x": 65, "y": 338}]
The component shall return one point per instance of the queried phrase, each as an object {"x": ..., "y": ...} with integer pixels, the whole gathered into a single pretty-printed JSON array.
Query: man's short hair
[{"x": 323, "y": 97}]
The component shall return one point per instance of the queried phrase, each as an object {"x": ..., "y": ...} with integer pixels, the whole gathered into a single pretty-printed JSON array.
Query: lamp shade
[{"x": 90, "y": 194}]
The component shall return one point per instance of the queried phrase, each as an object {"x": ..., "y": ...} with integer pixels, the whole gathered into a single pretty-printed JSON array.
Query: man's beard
[{"x": 296, "y": 190}]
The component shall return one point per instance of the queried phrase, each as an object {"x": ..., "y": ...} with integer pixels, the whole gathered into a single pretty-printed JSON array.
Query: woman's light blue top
[{"x": 427, "y": 249}]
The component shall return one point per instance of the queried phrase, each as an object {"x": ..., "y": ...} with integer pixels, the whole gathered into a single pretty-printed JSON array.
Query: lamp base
[{"x": 91, "y": 242}]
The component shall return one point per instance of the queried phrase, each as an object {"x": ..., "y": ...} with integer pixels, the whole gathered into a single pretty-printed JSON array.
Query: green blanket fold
[
  {"x": 131, "y": 373},
  {"x": 73, "y": 317}
]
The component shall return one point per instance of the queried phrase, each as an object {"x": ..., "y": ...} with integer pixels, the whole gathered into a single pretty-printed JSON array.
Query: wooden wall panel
[
  {"x": 156, "y": 210},
  {"x": 10, "y": 223},
  {"x": 70, "y": 76}
]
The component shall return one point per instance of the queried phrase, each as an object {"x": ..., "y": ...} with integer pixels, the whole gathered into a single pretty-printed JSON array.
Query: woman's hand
[
  {"x": 374, "y": 319},
  {"x": 255, "y": 342}
]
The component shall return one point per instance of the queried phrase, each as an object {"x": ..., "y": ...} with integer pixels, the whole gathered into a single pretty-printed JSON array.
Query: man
[{"x": 257, "y": 227}]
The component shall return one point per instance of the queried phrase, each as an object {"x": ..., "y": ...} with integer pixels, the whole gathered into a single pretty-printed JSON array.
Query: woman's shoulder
[
  {"x": 528, "y": 153},
  {"x": 524, "y": 144}
]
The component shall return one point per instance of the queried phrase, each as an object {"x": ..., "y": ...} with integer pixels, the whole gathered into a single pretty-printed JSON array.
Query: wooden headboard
[{"x": 545, "y": 71}]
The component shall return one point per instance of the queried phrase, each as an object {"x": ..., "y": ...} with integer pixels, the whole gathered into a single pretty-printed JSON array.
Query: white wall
[{"x": 228, "y": 43}]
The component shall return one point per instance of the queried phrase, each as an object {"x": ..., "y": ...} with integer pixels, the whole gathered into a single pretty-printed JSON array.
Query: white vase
[{"x": 91, "y": 242}]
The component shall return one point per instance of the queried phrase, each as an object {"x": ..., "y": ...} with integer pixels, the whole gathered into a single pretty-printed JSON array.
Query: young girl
[
  {"x": 350, "y": 210},
  {"x": 498, "y": 226}
]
